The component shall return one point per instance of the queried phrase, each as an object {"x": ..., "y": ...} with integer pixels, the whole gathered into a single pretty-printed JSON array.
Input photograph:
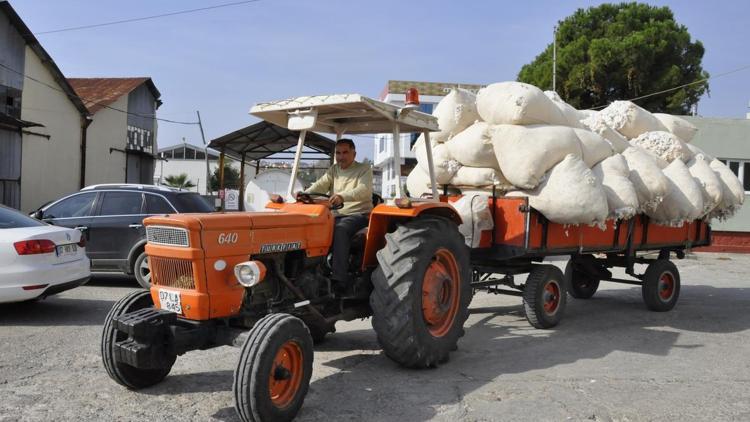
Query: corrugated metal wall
[
  {"x": 141, "y": 135},
  {"x": 12, "y": 49}
]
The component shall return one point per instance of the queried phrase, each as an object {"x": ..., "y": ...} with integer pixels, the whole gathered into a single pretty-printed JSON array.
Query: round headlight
[{"x": 249, "y": 273}]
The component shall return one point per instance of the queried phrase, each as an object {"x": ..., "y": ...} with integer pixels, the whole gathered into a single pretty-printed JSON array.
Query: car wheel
[{"x": 142, "y": 271}]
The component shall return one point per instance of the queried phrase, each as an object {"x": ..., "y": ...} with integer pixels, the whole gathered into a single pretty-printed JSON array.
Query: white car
[{"x": 38, "y": 259}]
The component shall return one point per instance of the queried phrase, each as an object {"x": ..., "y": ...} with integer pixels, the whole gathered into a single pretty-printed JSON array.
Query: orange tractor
[{"x": 259, "y": 280}]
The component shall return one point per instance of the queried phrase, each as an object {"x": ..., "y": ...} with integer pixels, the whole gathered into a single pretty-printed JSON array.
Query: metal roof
[
  {"x": 347, "y": 113},
  {"x": 98, "y": 93},
  {"x": 264, "y": 139}
]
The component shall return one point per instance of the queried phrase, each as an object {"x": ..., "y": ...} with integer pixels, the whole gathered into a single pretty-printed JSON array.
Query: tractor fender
[{"x": 383, "y": 217}]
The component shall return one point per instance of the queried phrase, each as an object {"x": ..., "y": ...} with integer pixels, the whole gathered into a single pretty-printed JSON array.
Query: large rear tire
[
  {"x": 544, "y": 296},
  {"x": 274, "y": 370},
  {"x": 421, "y": 292},
  {"x": 661, "y": 285},
  {"x": 124, "y": 374}
]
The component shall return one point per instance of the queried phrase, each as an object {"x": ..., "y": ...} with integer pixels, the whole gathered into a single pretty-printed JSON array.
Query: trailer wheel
[
  {"x": 544, "y": 296},
  {"x": 124, "y": 374},
  {"x": 273, "y": 373},
  {"x": 581, "y": 285},
  {"x": 661, "y": 285},
  {"x": 421, "y": 292}
]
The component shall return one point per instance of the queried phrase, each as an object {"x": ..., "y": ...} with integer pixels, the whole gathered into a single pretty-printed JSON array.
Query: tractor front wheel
[
  {"x": 273, "y": 373},
  {"x": 421, "y": 292},
  {"x": 124, "y": 374}
]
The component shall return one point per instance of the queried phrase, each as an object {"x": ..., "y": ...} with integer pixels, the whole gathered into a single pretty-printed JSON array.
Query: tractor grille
[
  {"x": 172, "y": 272},
  {"x": 163, "y": 235}
]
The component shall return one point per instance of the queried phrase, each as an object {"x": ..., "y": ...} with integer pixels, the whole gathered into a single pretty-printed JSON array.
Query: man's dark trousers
[{"x": 345, "y": 228}]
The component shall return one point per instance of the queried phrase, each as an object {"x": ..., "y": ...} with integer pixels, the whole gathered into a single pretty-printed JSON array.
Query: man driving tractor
[{"x": 349, "y": 184}]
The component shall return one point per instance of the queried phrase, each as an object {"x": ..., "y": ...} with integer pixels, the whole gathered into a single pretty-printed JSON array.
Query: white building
[
  {"x": 430, "y": 93},
  {"x": 191, "y": 160}
]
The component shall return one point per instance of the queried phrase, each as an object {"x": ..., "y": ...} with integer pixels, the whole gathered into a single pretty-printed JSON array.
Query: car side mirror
[{"x": 38, "y": 214}]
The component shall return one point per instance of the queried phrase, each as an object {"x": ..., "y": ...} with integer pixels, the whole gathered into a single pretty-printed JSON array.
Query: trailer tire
[
  {"x": 544, "y": 296},
  {"x": 274, "y": 370},
  {"x": 421, "y": 292},
  {"x": 580, "y": 284},
  {"x": 124, "y": 374},
  {"x": 661, "y": 285}
]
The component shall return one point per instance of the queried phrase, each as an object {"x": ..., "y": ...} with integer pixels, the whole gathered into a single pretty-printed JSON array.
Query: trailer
[{"x": 522, "y": 238}]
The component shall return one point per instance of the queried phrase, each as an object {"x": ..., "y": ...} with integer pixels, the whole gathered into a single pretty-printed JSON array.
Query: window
[
  {"x": 191, "y": 202},
  {"x": 157, "y": 205},
  {"x": 189, "y": 154},
  {"x": 12, "y": 219},
  {"x": 381, "y": 144},
  {"x": 121, "y": 203},
  {"x": 741, "y": 168},
  {"x": 72, "y": 207},
  {"x": 179, "y": 153},
  {"x": 200, "y": 155}
]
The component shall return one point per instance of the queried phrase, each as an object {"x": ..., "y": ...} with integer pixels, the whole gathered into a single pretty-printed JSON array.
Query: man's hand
[
  {"x": 336, "y": 200},
  {"x": 277, "y": 199}
]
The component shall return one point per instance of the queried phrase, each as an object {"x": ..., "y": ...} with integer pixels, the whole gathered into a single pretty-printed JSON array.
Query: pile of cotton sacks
[{"x": 575, "y": 166}]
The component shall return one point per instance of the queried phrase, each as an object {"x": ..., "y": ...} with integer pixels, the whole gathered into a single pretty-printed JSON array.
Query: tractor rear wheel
[
  {"x": 421, "y": 292},
  {"x": 273, "y": 373},
  {"x": 581, "y": 285},
  {"x": 124, "y": 374},
  {"x": 544, "y": 296},
  {"x": 661, "y": 285}
]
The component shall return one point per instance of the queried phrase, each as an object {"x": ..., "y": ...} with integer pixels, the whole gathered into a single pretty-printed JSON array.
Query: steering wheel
[{"x": 310, "y": 198}]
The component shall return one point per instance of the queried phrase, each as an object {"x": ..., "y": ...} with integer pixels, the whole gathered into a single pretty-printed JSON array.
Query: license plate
[
  {"x": 170, "y": 301},
  {"x": 67, "y": 250}
]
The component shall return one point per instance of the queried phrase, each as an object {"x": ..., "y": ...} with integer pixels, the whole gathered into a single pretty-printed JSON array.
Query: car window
[
  {"x": 157, "y": 205},
  {"x": 74, "y": 206},
  {"x": 12, "y": 219},
  {"x": 121, "y": 203},
  {"x": 191, "y": 202}
]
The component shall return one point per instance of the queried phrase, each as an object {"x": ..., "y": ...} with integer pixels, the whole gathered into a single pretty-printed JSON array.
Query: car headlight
[{"x": 250, "y": 273}]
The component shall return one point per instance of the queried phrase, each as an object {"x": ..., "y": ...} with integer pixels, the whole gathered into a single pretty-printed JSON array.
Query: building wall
[
  {"x": 50, "y": 167},
  {"x": 108, "y": 130},
  {"x": 196, "y": 171}
]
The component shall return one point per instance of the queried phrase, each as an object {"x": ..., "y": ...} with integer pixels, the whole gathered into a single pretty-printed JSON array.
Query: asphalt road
[{"x": 610, "y": 359}]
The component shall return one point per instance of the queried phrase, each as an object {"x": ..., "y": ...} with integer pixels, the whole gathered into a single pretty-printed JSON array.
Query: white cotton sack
[
  {"x": 418, "y": 182},
  {"x": 473, "y": 146},
  {"x": 445, "y": 166},
  {"x": 630, "y": 120},
  {"x": 708, "y": 181},
  {"x": 526, "y": 153},
  {"x": 684, "y": 199},
  {"x": 572, "y": 116},
  {"x": 585, "y": 114},
  {"x": 478, "y": 177},
  {"x": 571, "y": 194},
  {"x": 455, "y": 112},
  {"x": 695, "y": 150},
  {"x": 613, "y": 174},
  {"x": 650, "y": 183},
  {"x": 595, "y": 124},
  {"x": 664, "y": 145},
  {"x": 476, "y": 217},
  {"x": 678, "y": 126},
  {"x": 594, "y": 147},
  {"x": 517, "y": 103},
  {"x": 733, "y": 194}
]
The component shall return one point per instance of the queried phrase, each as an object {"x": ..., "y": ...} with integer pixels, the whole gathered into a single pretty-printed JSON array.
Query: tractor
[{"x": 261, "y": 280}]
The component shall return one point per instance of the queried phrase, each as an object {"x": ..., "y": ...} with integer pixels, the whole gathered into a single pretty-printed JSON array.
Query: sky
[{"x": 223, "y": 61}]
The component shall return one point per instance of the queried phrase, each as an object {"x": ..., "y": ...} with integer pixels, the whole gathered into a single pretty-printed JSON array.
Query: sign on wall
[{"x": 232, "y": 199}]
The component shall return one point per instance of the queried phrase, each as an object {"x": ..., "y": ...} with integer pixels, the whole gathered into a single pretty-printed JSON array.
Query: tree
[
  {"x": 180, "y": 181},
  {"x": 231, "y": 178},
  {"x": 622, "y": 51}
]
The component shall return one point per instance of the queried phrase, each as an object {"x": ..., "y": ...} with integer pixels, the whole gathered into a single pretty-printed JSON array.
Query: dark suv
[{"x": 112, "y": 218}]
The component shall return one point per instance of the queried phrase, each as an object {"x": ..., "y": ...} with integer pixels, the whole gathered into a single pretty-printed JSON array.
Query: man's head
[{"x": 345, "y": 152}]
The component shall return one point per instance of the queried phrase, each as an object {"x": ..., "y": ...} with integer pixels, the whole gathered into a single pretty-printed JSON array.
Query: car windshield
[
  {"x": 12, "y": 219},
  {"x": 191, "y": 202}
]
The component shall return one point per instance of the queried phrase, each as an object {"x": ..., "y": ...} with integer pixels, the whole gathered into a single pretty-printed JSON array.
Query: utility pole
[
  {"x": 554, "y": 58},
  {"x": 205, "y": 148}
]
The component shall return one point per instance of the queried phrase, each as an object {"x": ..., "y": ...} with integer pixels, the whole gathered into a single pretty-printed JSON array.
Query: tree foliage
[
  {"x": 231, "y": 178},
  {"x": 180, "y": 181},
  {"x": 622, "y": 51}
]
